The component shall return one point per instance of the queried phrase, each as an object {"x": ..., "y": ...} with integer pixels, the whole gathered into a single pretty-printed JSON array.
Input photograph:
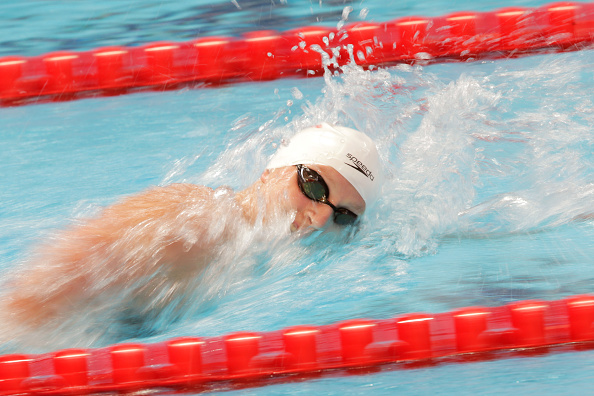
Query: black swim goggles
[{"x": 314, "y": 187}]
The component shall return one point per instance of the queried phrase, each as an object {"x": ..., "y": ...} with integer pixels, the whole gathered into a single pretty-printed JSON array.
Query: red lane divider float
[
  {"x": 265, "y": 55},
  {"x": 192, "y": 362}
]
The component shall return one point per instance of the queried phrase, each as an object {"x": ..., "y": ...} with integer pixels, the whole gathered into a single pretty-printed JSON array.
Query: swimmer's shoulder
[
  {"x": 179, "y": 191},
  {"x": 158, "y": 199},
  {"x": 183, "y": 189},
  {"x": 195, "y": 191}
]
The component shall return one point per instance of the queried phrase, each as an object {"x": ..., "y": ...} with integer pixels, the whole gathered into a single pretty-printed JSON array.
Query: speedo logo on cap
[{"x": 358, "y": 165}]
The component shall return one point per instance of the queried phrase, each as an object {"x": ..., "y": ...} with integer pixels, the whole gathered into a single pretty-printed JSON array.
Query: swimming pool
[{"x": 488, "y": 164}]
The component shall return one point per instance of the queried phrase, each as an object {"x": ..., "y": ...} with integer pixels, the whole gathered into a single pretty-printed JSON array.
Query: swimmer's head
[{"x": 351, "y": 153}]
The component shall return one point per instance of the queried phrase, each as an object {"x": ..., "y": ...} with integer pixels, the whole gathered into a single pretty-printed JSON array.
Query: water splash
[
  {"x": 446, "y": 144},
  {"x": 500, "y": 149}
]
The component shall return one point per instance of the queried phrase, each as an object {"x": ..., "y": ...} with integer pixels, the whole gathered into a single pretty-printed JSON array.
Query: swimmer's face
[{"x": 310, "y": 214}]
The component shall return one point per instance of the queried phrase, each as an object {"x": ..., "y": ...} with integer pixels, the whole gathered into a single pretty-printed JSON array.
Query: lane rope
[
  {"x": 267, "y": 55},
  {"x": 256, "y": 357}
]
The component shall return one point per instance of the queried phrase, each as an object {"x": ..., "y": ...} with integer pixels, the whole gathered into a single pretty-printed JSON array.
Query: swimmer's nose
[{"x": 319, "y": 214}]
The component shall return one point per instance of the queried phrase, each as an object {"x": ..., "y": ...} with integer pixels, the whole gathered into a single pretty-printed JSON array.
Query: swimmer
[{"x": 169, "y": 235}]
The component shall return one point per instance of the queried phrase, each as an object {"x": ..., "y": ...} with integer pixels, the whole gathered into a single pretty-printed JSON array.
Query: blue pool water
[{"x": 489, "y": 175}]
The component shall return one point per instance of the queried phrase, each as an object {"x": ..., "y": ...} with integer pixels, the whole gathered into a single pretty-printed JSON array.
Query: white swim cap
[{"x": 352, "y": 153}]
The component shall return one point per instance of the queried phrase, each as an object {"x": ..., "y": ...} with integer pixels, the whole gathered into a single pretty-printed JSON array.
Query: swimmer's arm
[{"x": 127, "y": 241}]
